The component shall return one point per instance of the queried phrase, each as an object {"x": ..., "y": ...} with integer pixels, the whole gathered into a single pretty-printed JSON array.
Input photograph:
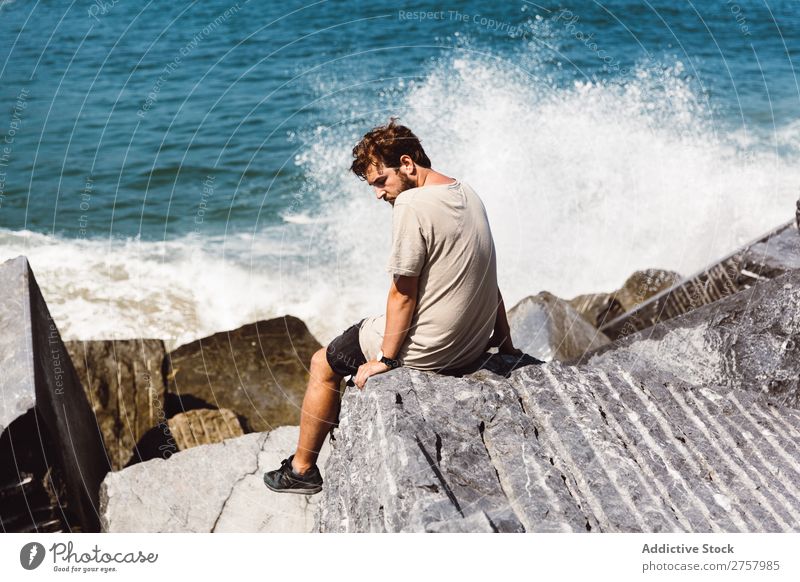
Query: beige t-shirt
[{"x": 441, "y": 234}]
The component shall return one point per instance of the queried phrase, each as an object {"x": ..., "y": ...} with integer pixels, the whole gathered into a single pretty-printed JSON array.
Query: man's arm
[
  {"x": 400, "y": 307},
  {"x": 399, "y": 310},
  {"x": 501, "y": 337}
]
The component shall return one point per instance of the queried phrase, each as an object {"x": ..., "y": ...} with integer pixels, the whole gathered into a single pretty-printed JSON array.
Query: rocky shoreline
[{"x": 668, "y": 405}]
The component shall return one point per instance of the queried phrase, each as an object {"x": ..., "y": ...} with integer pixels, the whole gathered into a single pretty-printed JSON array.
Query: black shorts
[{"x": 344, "y": 352}]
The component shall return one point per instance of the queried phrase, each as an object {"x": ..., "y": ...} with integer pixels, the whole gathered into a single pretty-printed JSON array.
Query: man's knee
[{"x": 320, "y": 365}]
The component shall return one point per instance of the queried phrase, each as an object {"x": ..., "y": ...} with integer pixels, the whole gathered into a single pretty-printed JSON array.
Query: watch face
[{"x": 388, "y": 361}]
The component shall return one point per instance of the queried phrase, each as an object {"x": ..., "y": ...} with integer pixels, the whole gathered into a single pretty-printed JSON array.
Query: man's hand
[
  {"x": 503, "y": 344},
  {"x": 367, "y": 370},
  {"x": 501, "y": 335}
]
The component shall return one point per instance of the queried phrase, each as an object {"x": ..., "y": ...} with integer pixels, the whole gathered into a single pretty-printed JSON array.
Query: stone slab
[
  {"x": 209, "y": 488},
  {"x": 691, "y": 426},
  {"x": 38, "y": 375}
]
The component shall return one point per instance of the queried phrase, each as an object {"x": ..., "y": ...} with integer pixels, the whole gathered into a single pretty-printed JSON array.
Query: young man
[{"x": 444, "y": 307}]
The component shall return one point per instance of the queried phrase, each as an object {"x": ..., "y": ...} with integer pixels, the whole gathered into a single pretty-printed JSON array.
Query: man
[{"x": 444, "y": 307}]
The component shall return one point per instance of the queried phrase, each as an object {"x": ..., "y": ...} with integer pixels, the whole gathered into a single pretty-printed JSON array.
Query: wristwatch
[{"x": 388, "y": 361}]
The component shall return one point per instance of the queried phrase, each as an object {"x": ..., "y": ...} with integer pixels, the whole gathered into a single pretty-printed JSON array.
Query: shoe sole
[{"x": 295, "y": 491}]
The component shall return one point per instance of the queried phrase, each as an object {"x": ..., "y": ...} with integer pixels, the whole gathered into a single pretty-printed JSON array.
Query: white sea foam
[
  {"x": 301, "y": 218},
  {"x": 583, "y": 184}
]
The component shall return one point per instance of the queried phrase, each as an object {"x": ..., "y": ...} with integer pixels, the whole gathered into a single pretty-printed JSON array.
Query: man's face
[{"x": 388, "y": 182}]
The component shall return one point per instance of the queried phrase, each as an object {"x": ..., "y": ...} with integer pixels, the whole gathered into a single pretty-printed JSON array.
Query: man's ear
[{"x": 407, "y": 165}]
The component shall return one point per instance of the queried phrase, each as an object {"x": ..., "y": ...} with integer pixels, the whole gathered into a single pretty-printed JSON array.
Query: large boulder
[
  {"x": 125, "y": 384},
  {"x": 209, "y": 488},
  {"x": 748, "y": 341},
  {"x": 549, "y": 328},
  {"x": 259, "y": 371},
  {"x": 638, "y": 439},
  {"x": 50, "y": 446}
]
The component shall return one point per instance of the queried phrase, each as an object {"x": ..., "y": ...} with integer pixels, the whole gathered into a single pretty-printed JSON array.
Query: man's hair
[{"x": 384, "y": 145}]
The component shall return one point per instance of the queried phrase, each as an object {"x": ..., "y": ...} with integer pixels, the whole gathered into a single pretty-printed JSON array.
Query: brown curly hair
[{"x": 384, "y": 145}]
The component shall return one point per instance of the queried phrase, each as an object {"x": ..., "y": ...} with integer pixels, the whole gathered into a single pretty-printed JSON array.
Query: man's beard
[{"x": 406, "y": 183}]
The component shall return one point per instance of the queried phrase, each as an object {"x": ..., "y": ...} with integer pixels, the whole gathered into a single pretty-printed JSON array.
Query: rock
[
  {"x": 642, "y": 285},
  {"x": 203, "y": 427},
  {"x": 209, "y": 488},
  {"x": 598, "y": 308},
  {"x": 258, "y": 371},
  {"x": 125, "y": 384},
  {"x": 414, "y": 457},
  {"x": 768, "y": 257},
  {"x": 748, "y": 341},
  {"x": 548, "y": 328},
  {"x": 671, "y": 431},
  {"x": 601, "y": 308},
  {"x": 56, "y": 447}
]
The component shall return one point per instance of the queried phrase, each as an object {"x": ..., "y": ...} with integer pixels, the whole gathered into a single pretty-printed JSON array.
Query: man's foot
[{"x": 285, "y": 480}]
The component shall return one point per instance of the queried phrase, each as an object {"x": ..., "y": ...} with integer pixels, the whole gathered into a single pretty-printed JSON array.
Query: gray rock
[
  {"x": 549, "y": 328},
  {"x": 748, "y": 341},
  {"x": 259, "y": 371},
  {"x": 209, "y": 488},
  {"x": 420, "y": 463},
  {"x": 675, "y": 431},
  {"x": 38, "y": 378},
  {"x": 125, "y": 385}
]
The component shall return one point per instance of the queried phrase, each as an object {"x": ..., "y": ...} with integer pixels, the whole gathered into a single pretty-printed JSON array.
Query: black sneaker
[{"x": 285, "y": 480}]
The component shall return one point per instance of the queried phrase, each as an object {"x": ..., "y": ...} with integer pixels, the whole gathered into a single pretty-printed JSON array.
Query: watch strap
[{"x": 392, "y": 364}]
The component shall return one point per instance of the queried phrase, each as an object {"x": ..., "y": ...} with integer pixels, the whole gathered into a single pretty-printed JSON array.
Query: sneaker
[{"x": 285, "y": 480}]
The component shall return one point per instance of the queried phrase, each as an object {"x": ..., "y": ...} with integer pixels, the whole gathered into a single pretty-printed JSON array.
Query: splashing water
[{"x": 584, "y": 183}]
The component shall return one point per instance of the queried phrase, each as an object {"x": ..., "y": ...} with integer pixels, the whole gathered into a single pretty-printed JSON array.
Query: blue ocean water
[{"x": 173, "y": 169}]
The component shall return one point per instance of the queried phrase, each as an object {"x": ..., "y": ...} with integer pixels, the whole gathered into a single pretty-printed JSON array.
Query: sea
[{"x": 175, "y": 169}]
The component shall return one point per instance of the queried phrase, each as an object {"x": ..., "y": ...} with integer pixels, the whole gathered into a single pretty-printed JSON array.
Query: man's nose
[{"x": 380, "y": 192}]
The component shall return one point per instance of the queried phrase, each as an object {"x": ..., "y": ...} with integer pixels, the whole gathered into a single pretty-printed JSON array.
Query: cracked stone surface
[
  {"x": 691, "y": 427},
  {"x": 209, "y": 488}
]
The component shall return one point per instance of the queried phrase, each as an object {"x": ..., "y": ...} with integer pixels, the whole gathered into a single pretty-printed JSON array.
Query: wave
[
  {"x": 175, "y": 290},
  {"x": 584, "y": 183}
]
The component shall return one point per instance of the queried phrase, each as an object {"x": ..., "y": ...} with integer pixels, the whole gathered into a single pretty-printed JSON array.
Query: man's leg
[{"x": 320, "y": 409}]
